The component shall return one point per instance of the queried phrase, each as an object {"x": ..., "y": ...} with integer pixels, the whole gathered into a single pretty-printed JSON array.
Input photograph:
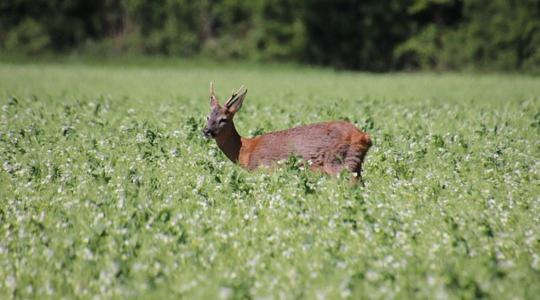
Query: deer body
[{"x": 329, "y": 146}]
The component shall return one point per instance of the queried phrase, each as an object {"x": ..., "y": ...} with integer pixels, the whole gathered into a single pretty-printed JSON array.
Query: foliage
[
  {"x": 65, "y": 24},
  {"x": 503, "y": 35},
  {"x": 509, "y": 39},
  {"x": 279, "y": 31},
  {"x": 355, "y": 34},
  {"x": 29, "y": 36},
  {"x": 166, "y": 27},
  {"x": 369, "y": 35},
  {"x": 108, "y": 190}
]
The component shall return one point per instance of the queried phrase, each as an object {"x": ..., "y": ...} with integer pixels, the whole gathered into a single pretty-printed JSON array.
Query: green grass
[{"x": 108, "y": 190}]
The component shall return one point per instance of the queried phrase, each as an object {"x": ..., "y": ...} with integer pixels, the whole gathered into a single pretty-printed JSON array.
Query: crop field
[{"x": 109, "y": 190}]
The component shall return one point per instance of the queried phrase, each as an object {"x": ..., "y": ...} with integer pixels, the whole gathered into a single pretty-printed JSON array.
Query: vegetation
[
  {"x": 108, "y": 189},
  {"x": 369, "y": 35}
]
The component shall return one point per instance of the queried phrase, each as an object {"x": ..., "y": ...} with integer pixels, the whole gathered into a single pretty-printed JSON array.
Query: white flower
[{"x": 11, "y": 282}]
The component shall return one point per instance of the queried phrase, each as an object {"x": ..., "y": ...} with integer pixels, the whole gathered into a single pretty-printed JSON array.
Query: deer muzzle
[{"x": 208, "y": 133}]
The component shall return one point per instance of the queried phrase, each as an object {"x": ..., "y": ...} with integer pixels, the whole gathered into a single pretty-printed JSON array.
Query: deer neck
[{"x": 230, "y": 142}]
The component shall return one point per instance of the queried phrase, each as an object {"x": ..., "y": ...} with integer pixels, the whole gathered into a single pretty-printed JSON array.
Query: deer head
[{"x": 220, "y": 119}]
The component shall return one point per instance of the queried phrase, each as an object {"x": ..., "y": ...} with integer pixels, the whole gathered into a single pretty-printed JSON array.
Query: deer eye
[{"x": 223, "y": 121}]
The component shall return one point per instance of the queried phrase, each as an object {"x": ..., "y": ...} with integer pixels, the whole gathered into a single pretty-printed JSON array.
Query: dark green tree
[
  {"x": 484, "y": 34},
  {"x": 355, "y": 34},
  {"x": 370, "y": 34}
]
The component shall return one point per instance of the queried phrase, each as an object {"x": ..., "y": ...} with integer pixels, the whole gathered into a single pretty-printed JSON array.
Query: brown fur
[{"x": 329, "y": 147}]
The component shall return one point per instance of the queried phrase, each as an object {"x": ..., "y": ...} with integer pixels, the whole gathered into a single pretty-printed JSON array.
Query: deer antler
[
  {"x": 212, "y": 91},
  {"x": 235, "y": 96},
  {"x": 213, "y": 98}
]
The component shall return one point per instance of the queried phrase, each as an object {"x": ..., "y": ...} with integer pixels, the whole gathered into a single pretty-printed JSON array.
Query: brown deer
[{"x": 329, "y": 146}]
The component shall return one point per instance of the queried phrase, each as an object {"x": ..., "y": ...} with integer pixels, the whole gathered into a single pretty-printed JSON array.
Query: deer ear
[{"x": 236, "y": 103}]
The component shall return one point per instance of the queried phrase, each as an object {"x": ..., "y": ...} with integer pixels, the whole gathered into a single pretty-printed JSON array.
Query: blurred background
[{"x": 371, "y": 35}]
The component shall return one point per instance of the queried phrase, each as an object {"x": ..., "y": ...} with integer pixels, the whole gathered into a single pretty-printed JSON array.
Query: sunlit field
[{"x": 109, "y": 190}]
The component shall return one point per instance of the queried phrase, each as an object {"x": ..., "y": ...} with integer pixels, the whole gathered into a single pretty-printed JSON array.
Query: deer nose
[{"x": 207, "y": 133}]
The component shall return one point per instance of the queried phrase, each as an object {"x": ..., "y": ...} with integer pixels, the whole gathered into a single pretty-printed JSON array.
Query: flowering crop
[{"x": 109, "y": 190}]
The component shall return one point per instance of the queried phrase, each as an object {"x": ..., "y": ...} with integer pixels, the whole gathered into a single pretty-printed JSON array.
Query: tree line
[{"x": 376, "y": 35}]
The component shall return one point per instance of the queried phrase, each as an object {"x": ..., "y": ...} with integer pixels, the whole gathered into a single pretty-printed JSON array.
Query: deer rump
[{"x": 329, "y": 147}]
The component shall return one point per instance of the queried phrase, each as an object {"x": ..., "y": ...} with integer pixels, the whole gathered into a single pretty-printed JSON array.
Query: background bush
[{"x": 369, "y": 35}]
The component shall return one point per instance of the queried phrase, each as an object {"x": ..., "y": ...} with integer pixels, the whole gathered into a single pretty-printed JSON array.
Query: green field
[{"x": 108, "y": 189}]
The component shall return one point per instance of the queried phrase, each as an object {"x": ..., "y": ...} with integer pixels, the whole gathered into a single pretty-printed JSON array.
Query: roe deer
[{"x": 329, "y": 146}]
